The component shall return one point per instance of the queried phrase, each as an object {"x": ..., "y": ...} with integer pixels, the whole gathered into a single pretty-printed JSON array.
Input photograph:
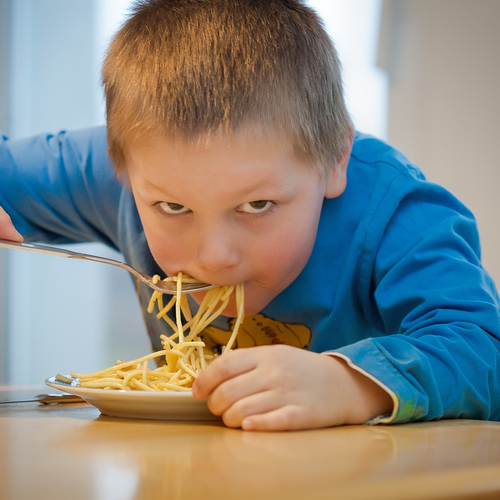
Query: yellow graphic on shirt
[{"x": 258, "y": 330}]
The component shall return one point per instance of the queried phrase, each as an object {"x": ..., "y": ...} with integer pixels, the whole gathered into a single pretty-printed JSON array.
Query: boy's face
[{"x": 238, "y": 210}]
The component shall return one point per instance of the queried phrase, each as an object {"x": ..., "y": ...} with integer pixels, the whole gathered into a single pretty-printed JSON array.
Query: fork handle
[
  {"x": 62, "y": 252},
  {"x": 59, "y": 252},
  {"x": 32, "y": 247}
]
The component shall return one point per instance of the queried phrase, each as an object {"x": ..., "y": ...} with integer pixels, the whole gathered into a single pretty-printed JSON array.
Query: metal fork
[{"x": 169, "y": 287}]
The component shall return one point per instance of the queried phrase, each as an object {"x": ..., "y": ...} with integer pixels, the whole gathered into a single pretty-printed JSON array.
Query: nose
[{"x": 218, "y": 249}]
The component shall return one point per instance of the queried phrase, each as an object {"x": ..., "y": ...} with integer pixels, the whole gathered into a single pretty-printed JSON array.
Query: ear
[{"x": 336, "y": 180}]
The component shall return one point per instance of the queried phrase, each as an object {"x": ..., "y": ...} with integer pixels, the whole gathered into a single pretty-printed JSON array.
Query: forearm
[
  {"x": 444, "y": 372},
  {"x": 61, "y": 188}
]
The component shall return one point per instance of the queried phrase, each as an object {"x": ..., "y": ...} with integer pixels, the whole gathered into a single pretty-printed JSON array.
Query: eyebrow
[{"x": 279, "y": 190}]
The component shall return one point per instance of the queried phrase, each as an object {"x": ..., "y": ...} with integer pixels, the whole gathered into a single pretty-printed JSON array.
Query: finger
[
  {"x": 225, "y": 367},
  {"x": 285, "y": 418},
  {"x": 255, "y": 404},
  {"x": 234, "y": 390},
  {"x": 7, "y": 229}
]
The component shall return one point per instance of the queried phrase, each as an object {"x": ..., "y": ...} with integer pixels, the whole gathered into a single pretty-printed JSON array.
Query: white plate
[{"x": 164, "y": 405}]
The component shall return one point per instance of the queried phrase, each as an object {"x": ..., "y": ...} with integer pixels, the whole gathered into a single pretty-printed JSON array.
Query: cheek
[
  {"x": 169, "y": 252},
  {"x": 285, "y": 253}
]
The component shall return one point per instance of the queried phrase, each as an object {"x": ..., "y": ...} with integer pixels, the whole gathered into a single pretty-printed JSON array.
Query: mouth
[{"x": 196, "y": 279}]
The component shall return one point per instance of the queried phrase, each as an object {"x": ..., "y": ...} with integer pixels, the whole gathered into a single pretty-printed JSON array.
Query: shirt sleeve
[
  {"x": 438, "y": 307},
  {"x": 60, "y": 188}
]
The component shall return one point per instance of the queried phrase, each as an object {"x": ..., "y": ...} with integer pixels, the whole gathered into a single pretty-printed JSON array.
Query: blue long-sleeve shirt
[{"x": 394, "y": 284}]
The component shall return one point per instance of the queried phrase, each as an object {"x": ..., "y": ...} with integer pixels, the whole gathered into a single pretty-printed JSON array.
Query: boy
[{"x": 364, "y": 292}]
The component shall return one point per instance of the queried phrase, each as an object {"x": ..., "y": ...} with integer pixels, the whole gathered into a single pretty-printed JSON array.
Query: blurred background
[{"x": 422, "y": 74}]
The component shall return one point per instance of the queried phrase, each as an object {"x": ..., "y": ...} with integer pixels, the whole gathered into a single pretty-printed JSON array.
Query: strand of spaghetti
[
  {"x": 228, "y": 292},
  {"x": 207, "y": 305},
  {"x": 180, "y": 328},
  {"x": 141, "y": 386},
  {"x": 215, "y": 315},
  {"x": 102, "y": 383},
  {"x": 186, "y": 310},
  {"x": 190, "y": 343},
  {"x": 108, "y": 382},
  {"x": 211, "y": 299},
  {"x": 187, "y": 368},
  {"x": 201, "y": 355},
  {"x": 191, "y": 362},
  {"x": 165, "y": 309},
  {"x": 188, "y": 353},
  {"x": 171, "y": 361},
  {"x": 194, "y": 361},
  {"x": 154, "y": 297},
  {"x": 239, "y": 318},
  {"x": 159, "y": 298},
  {"x": 127, "y": 378},
  {"x": 115, "y": 375},
  {"x": 174, "y": 387},
  {"x": 167, "y": 318},
  {"x": 176, "y": 352},
  {"x": 145, "y": 372},
  {"x": 175, "y": 376},
  {"x": 207, "y": 316},
  {"x": 152, "y": 355},
  {"x": 168, "y": 340}
]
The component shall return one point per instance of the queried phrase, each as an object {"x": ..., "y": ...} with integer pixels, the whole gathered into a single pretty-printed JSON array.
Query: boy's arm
[
  {"x": 60, "y": 188},
  {"x": 440, "y": 309},
  {"x": 285, "y": 388}
]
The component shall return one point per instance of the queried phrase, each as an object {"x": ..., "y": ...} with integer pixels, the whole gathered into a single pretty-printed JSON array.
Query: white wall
[{"x": 444, "y": 100}]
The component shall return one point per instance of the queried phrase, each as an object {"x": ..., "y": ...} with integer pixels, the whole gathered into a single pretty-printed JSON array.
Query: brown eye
[
  {"x": 256, "y": 207},
  {"x": 173, "y": 208}
]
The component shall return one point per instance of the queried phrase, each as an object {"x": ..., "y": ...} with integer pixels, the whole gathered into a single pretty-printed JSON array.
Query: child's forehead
[
  {"x": 237, "y": 154},
  {"x": 251, "y": 144},
  {"x": 247, "y": 139}
]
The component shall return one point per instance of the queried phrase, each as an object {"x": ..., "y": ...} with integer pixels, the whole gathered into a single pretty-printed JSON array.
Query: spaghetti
[{"x": 183, "y": 352}]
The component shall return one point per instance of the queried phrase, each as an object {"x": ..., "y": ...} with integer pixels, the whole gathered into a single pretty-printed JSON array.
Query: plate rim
[{"x": 77, "y": 390}]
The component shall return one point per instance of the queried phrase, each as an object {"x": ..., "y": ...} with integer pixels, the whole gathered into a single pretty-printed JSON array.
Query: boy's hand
[
  {"x": 285, "y": 388},
  {"x": 7, "y": 229}
]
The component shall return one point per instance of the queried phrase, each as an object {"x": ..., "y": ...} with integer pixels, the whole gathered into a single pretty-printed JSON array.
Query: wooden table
[{"x": 71, "y": 451}]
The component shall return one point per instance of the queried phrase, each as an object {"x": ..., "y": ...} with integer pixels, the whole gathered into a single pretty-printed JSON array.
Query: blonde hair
[{"x": 203, "y": 68}]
